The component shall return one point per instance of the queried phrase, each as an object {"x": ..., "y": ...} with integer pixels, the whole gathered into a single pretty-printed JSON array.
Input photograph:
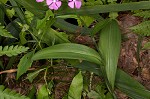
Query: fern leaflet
[
  {"x": 12, "y": 50},
  {"x": 10, "y": 94},
  {"x": 144, "y": 14},
  {"x": 142, "y": 28},
  {"x": 5, "y": 33},
  {"x": 147, "y": 46}
]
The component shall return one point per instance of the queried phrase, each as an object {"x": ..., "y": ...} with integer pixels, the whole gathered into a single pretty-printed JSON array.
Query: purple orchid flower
[
  {"x": 74, "y": 3},
  {"x": 39, "y": 0},
  {"x": 53, "y": 4}
]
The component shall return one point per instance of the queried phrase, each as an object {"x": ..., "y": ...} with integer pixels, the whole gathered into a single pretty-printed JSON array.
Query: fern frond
[
  {"x": 4, "y": 32},
  {"x": 147, "y": 46},
  {"x": 142, "y": 28},
  {"x": 144, "y": 14},
  {"x": 6, "y": 93},
  {"x": 12, "y": 50}
]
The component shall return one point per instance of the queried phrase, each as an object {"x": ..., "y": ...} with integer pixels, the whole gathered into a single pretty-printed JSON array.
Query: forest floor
[{"x": 128, "y": 61}]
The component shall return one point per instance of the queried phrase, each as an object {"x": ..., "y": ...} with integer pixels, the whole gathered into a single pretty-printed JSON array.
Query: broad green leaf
[
  {"x": 89, "y": 10},
  {"x": 42, "y": 93},
  {"x": 31, "y": 76},
  {"x": 88, "y": 66},
  {"x": 99, "y": 26},
  {"x": 38, "y": 9},
  {"x": 109, "y": 46},
  {"x": 68, "y": 51},
  {"x": 62, "y": 24},
  {"x": 24, "y": 64},
  {"x": 50, "y": 35},
  {"x": 18, "y": 11},
  {"x": 75, "y": 90},
  {"x": 131, "y": 87},
  {"x": 45, "y": 90},
  {"x": 3, "y": 1},
  {"x": 5, "y": 33}
]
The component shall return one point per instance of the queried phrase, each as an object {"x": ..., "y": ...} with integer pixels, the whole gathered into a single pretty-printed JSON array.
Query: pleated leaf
[
  {"x": 109, "y": 46},
  {"x": 131, "y": 87},
  {"x": 68, "y": 51},
  {"x": 76, "y": 87},
  {"x": 6, "y": 93},
  {"x": 12, "y": 50}
]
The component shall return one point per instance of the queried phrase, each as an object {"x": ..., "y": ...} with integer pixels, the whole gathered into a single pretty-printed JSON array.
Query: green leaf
[
  {"x": 90, "y": 10},
  {"x": 144, "y": 14},
  {"x": 147, "y": 46},
  {"x": 3, "y": 1},
  {"x": 42, "y": 23},
  {"x": 38, "y": 9},
  {"x": 32, "y": 92},
  {"x": 2, "y": 14},
  {"x": 100, "y": 25},
  {"x": 123, "y": 81},
  {"x": 5, "y": 33},
  {"x": 88, "y": 66},
  {"x": 109, "y": 46},
  {"x": 24, "y": 64},
  {"x": 50, "y": 36},
  {"x": 31, "y": 76},
  {"x": 62, "y": 24},
  {"x": 131, "y": 87},
  {"x": 6, "y": 93},
  {"x": 68, "y": 51},
  {"x": 142, "y": 28},
  {"x": 29, "y": 16},
  {"x": 86, "y": 19},
  {"x": 76, "y": 87},
  {"x": 43, "y": 92},
  {"x": 12, "y": 50},
  {"x": 10, "y": 12}
]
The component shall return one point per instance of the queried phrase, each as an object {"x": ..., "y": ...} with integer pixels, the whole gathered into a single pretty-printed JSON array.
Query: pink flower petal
[
  {"x": 78, "y": 4},
  {"x": 48, "y": 2},
  {"x": 53, "y": 6},
  {"x": 39, "y": 0},
  {"x": 58, "y": 3},
  {"x": 71, "y": 4}
]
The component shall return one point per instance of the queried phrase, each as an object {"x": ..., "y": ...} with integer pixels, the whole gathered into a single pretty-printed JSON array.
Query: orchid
[
  {"x": 74, "y": 4},
  {"x": 53, "y": 4},
  {"x": 39, "y": 0}
]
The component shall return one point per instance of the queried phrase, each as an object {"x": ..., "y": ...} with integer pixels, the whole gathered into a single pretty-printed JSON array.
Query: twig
[{"x": 12, "y": 71}]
